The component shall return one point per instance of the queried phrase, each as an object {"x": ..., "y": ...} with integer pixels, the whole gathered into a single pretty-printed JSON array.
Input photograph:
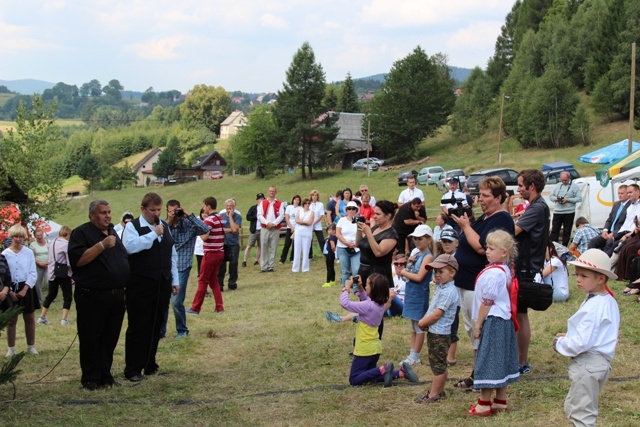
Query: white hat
[
  {"x": 595, "y": 260},
  {"x": 422, "y": 230},
  {"x": 352, "y": 204}
]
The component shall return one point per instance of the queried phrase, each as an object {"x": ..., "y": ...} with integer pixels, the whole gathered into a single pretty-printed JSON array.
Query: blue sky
[{"x": 237, "y": 44}]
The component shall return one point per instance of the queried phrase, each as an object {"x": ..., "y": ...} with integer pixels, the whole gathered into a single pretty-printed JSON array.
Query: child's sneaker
[
  {"x": 332, "y": 317},
  {"x": 31, "y": 349},
  {"x": 328, "y": 284},
  {"x": 64, "y": 322},
  {"x": 11, "y": 351},
  {"x": 388, "y": 374},
  {"x": 525, "y": 369},
  {"x": 43, "y": 321},
  {"x": 408, "y": 373},
  {"x": 411, "y": 361}
]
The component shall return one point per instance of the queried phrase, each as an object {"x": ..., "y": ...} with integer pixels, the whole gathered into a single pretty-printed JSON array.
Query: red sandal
[
  {"x": 474, "y": 412},
  {"x": 499, "y": 406}
]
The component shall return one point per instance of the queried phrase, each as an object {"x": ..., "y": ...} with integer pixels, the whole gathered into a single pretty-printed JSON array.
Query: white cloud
[
  {"x": 475, "y": 35},
  {"x": 272, "y": 21},
  {"x": 409, "y": 13},
  {"x": 18, "y": 39},
  {"x": 164, "y": 49}
]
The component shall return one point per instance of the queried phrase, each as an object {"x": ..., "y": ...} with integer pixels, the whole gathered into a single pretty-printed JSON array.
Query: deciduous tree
[
  {"x": 206, "y": 105},
  {"x": 25, "y": 159},
  {"x": 255, "y": 145}
]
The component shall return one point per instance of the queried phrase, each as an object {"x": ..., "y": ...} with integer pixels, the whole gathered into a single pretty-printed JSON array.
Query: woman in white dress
[{"x": 302, "y": 237}]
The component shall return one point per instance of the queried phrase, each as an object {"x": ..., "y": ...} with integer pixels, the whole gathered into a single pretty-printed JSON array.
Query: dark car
[
  {"x": 404, "y": 175},
  {"x": 509, "y": 176},
  {"x": 552, "y": 171}
]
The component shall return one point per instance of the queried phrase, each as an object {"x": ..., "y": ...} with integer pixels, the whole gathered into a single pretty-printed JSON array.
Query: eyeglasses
[
  {"x": 352, "y": 209},
  {"x": 306, "y": 203},
  {"x": 400, "y": 264}
]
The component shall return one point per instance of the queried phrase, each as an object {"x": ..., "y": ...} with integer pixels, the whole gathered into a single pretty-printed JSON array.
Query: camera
[
  {"x": 561, "y": 199},
  {"x": 178, "y": 212},
  {"x": 359, "y": 218},
  {"x": 460, "y": 209}
]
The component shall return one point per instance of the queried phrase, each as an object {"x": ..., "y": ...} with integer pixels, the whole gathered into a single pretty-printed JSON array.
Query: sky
[{"x": 237, "y": 44}]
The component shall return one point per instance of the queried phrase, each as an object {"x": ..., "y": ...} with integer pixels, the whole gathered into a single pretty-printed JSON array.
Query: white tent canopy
[{"x": 631, "y": 174}]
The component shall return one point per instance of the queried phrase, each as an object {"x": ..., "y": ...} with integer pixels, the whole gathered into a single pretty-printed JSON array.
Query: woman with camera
[
  {"x": 347, "y": 249},
  {"x": 376, "y": 243}
]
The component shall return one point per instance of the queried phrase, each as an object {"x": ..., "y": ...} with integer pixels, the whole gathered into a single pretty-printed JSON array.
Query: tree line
[{"x": 547, "y": 53}]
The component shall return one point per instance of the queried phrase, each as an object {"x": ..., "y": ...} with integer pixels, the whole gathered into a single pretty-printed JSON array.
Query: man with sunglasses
[{"x": 407, "y": 218}]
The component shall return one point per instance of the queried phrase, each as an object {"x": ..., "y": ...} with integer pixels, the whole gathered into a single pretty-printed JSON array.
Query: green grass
[{"x": 273, "y": 360}]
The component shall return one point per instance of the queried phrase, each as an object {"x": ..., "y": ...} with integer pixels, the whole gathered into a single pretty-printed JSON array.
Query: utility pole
[
  {"x": 502, "y": 97},
  {"x": 368, "y": 147},
  {"x": 632, "y": 104}
]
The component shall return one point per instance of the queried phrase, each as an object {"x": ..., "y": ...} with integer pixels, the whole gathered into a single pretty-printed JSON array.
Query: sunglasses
[
  {"x": 352, "y": 209},
  {"x": 400, "y": 264}
]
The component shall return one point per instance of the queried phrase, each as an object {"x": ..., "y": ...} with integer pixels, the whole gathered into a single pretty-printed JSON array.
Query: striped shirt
[{"x": 215, "y": 241}]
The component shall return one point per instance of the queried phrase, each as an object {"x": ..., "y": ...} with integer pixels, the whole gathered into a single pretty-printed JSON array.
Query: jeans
[
  {"x": 396, "y": 307},
  {"x": 349, "y": 264}
]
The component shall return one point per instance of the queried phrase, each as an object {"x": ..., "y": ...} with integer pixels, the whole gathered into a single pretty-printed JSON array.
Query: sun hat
[
  {"x": 443, "y": 261},
  {"x": 595, "y": 260},
  {"x": 352, "y": 204},
  {"x": 449, "y": 234},
  {"x": 422, "y": 230}
]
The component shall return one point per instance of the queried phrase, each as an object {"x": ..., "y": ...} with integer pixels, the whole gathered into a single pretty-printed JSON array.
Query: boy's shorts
[
  {"x": 438, "y": 349},
  {"x": 415, "y": 328}
]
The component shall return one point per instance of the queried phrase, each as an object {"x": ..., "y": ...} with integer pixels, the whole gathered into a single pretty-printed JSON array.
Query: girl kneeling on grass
[
  {"x": 371, "y": 308},
  {"x": 497, "y": 357}
]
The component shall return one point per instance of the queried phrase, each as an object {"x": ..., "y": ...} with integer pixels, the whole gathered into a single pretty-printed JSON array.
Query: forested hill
[{"x": 548, "y": 53}]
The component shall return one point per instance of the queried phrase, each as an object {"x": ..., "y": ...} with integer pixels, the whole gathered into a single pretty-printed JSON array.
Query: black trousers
[
  {"x": 233, "y": 269},
  {"x": 331, "y": 269},
  {"x": 321, "y": 240},
  {"x": 52, "y": 294},
  {"x": 100, "y": 314},
  {"x": 147, "y": 301},
  {"x": 566, "y": 222}
]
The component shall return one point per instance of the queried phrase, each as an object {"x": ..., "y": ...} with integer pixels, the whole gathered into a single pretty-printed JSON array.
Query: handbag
[
  {"x": 533, "y": 295},
  {"x": 60, "y": 270}
]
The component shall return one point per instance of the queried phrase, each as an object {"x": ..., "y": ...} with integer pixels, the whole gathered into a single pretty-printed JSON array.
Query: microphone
[
  {"x": 110, "y": 227},
  {"x": 156, "y": 220}
]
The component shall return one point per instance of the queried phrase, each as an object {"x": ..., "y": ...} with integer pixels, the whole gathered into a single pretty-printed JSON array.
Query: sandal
[
  {"x": 452, "y": 362},
  {"x": 426, "y": 399},
  {"x": 474, "y": 412},
  {"x": 465, "y": 383}
]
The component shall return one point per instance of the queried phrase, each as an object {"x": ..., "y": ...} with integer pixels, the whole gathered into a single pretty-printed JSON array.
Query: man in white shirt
[
  {"x": 270, "y": 215},
  {"x": 453, "y": 193},
  {"x": 411, "y": 192}
]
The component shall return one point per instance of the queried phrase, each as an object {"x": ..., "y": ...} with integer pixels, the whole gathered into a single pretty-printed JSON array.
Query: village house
[
  {"x": 144, "y": 168},
  {"x": 230, "y": 125}
]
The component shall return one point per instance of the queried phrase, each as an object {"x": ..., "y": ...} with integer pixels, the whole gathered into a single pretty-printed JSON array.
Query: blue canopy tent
[{"x": 610, "y": 153}]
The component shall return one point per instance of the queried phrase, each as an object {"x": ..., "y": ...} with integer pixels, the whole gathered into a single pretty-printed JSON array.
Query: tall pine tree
[{"x": 348, "y": 100}]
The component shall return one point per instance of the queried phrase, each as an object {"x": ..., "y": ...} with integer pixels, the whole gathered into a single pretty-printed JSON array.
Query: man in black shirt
[
  {"x": 100, "y": 270},
  {"x": 407, "y": 218}
]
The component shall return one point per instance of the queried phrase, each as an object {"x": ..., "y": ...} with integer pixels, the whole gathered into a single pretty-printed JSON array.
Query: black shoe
[
  {"x": 256, "y": 263},
  {"x": 110, "y": 383},
  {"x": 90, "y": 386},
  {"x": 233, "y": 288},
  {"x": 155, "y": 372},
  {"x": 135, "y": 378},
  {"x": 270, "y": 270},
  {"x": 244, "y": 263}
]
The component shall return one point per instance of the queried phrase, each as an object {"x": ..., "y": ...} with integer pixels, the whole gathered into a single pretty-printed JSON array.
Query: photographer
[
  {"x": 184, "y": 228},
  {"x": 409, "y": 216},
  {"x": 454, "y": 202},
  {"x": 565, "y": 196}
]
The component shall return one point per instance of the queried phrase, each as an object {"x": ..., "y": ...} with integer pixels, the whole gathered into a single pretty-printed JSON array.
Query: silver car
[{"x": 443, "y": 183}]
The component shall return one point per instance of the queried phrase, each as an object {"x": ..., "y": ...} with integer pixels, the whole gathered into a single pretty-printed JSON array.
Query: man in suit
[
  {"x": 153, "y": 263},
  {"x": 611, "y": 232}
]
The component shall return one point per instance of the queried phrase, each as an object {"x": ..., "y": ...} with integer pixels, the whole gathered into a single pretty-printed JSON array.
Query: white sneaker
[
  {"x": 411, "y": 361},
  {"x": 43, "y": 321},
  {"x": 31, "y": 349},
  {"x": 64, "y": 322},
  {"x": 11, "y": 352}
]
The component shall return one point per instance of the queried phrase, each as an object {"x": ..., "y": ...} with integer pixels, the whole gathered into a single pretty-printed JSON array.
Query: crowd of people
[{"x": 386, "y": 253}]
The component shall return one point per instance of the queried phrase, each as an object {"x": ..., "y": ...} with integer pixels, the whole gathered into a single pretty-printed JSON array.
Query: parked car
[
  {"x": 402, "y": 176},
  {"x": 216, "y": 175},
  {"x": 361, "y": 165},
  {"x": 430, "y": 175},
  {"x": 381, "y": 162},
  {"x": 552, "y": 171},
  {"x": 509, "y": 176},
  {"x": 443, "y": 183}
]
